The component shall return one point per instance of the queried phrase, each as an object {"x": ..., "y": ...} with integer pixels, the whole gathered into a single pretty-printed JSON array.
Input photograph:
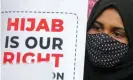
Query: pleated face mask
[{"x": 104, "y": 51}]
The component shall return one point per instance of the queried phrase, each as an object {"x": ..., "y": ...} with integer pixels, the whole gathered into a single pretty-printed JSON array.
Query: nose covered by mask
[{"x": 104, "y": 51}]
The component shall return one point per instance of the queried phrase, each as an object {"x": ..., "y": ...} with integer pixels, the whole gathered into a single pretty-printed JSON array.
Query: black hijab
[{"x": 124, "y": 70}]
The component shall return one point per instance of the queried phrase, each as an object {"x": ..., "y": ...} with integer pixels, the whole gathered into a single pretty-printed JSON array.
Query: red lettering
[
  {"x": 18, "y": 57},
  {"x": 57, "y": 56},
  {"x": 40, "y": 59},
  {"x": 7, "y": 58},
  {"x": 43, "y": 25},
  {"x": 10, "y": 57},
  {"x": 13, "y": 24},
  {"x": 32, "y": 23},
  {"x": 22, "y": 24},
  {"x": 57, "y": 25},
  {"x": 29, "y": 54}
]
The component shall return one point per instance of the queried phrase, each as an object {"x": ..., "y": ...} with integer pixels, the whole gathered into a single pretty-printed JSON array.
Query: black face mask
[{"x": 104, "y": 51}]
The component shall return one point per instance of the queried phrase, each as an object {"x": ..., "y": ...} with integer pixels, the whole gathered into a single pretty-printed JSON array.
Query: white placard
[{"x": 43, "y": 37}]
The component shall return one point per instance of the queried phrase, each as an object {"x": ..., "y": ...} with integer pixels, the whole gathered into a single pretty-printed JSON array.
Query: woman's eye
[
  {"x": 98, "y": 28},
  {"x": 119, "y": 34}
]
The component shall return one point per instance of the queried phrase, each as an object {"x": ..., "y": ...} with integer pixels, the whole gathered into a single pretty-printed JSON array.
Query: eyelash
[
  {"x": 119, "y": 34},
  {"x": 115, "y": 33},
  {"x": 98, "y": 28}
]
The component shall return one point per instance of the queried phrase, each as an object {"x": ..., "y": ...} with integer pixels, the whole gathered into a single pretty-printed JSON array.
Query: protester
[{"x": 109, "y": 41}]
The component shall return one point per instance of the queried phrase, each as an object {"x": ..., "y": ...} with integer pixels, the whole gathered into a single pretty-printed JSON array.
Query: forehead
[{"x": 110, "y": 17}]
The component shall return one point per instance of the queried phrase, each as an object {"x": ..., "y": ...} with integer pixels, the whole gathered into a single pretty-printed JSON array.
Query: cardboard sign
[{"x": 43, "y": 37}]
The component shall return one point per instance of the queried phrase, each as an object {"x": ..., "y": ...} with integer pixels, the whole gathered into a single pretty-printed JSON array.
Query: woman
[{"x": 109, "y": 44}]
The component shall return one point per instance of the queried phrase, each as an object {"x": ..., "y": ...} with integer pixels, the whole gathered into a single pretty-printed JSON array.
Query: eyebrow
[
  {"x": 99, "y": 23},
  {"x": 114, "y": 27},
  {"x": 118, "y": 28}
]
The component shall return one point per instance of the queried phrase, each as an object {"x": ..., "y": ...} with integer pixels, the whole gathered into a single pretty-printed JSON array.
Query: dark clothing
[{"x": 124, "y": 70}]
